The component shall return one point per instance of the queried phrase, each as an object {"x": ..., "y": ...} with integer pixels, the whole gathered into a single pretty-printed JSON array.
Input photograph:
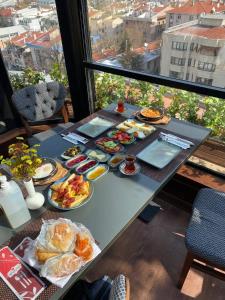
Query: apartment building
[
  {"x": 192, "y": 10},
  {"x": 195, "y": 51},
  {"x": 6, "y": 16}
]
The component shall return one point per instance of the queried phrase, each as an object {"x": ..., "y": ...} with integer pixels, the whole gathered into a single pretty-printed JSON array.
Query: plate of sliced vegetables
[
  {"x": 70, "y": 192},
  {"x": 109, "y": 145},
  {"x": 121, "y": 136}
]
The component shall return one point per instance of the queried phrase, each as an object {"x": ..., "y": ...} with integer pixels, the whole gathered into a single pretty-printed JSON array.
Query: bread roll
[
  {"x": 61, "y": 266},
  {"x": 60, "y": 237}
]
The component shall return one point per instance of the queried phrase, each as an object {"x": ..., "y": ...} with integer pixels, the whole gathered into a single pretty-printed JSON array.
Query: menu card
[{"x": 19, "y": 278}]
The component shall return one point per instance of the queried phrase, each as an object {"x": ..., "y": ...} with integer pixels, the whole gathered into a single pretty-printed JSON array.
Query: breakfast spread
[
  {"x": 122, "y": 137},
  {"x": 97, "y": 172},
  {"x": 75, "y": 161},
  {"x": 108, "y": 145},
  {"x": 71, "y": 192},
  {"x": 85, "y": 167}
]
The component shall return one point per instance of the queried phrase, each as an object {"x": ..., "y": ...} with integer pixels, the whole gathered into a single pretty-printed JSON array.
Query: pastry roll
[
  {"x": 42, "y": 255},
  {"x": 83, "y": 246},
  {"x": 60, "y": 237},
  {"x": 61, "y": 266}
]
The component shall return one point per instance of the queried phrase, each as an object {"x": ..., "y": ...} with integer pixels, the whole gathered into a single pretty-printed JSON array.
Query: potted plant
[{"x": 23, "y": 162}]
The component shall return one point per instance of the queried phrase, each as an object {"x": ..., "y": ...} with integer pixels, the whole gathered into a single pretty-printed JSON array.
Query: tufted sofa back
[{"x": 39, "y": 101}]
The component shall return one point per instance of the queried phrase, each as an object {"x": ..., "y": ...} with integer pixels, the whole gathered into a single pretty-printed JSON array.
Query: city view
[{"x": 178, "y": 39}]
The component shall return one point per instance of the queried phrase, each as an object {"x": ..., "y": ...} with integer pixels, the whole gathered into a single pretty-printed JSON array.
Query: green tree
[
  {"x": 131, "y": 60},
  {"x": 27, "y": 78}
]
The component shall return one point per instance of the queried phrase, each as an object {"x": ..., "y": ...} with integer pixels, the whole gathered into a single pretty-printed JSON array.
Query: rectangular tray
[
  {"x": 159, "y": 153},
  {"x": 95, "y": 127}
]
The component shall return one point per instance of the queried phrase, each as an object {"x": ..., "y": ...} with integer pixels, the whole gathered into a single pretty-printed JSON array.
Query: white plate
[{"x": 95, "y": 127}]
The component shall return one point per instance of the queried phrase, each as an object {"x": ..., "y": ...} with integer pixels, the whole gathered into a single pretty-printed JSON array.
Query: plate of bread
[
  {"x": 61, "y": 249},
  {"x": 70, "y": 192}
]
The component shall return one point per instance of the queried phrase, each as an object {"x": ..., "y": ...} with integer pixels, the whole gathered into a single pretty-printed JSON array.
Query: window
[
  {"x": 31, "y": 47},
  {"x": 202, "y": 80},
  {"x": 177, "y": 61},
  {"x": 177, "y": 75},
  {"x": 206, "y": 66},
  {"x": 179, "y": 46}
]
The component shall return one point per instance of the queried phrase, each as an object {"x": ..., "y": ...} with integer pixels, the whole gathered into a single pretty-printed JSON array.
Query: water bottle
[{"x": 12, "y": 203}]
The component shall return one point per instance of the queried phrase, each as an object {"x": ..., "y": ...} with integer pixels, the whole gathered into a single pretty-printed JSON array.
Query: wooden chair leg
[
  {"x": 186, "y": 267},
  {"x": 65, "y": 114}
]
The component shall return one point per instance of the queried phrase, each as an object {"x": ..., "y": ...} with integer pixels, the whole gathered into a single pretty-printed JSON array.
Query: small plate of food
[
  {"x": 121, "y": 136},
  {"x": 86, "y": 166},
  {"x": 97, "y": 172},
  {"x": 70, "y": 193},
  {"x": 75, "y": 161},
  {"x": 116, "y": 160},
  {"x": 109, "y": 145},
  {"x": 47, "y": 169},
  {"x": 73, "y": 151},
  {"x": 98, "y": 155},
  {"x": 138, "y": 129}
]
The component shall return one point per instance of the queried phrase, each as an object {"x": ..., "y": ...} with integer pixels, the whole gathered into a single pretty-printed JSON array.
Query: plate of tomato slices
[{"x": 121, "y": 136}]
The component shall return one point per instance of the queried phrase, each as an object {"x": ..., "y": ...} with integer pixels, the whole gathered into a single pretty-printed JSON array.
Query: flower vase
[{"x": 34, "y": 199}]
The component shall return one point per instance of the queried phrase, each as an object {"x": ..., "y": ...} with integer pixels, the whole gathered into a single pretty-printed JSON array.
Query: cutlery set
[
  {"x": 23, "y": 279},
  {"x": 175, "y": 140}
]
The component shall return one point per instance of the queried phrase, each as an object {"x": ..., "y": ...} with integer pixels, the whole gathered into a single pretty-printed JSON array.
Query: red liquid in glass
[
  {"x": 130, "y": 167},
  {"x": 120, "y": 106}
]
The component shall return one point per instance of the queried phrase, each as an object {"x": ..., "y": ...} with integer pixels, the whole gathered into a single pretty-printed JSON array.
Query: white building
[
  {"x": 6, "y": 33},
  {"x": 195, "y": 51}
]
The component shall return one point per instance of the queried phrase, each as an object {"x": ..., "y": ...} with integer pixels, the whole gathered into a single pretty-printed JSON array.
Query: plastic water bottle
[{"x": 12, "y": 203}]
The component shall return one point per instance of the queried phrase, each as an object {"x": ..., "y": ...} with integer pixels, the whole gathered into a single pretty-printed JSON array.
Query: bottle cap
[{"x": 3, "y": 182}]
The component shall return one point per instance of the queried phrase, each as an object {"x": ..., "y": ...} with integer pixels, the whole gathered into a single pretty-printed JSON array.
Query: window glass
[
  {"x": 147, "y": 35},
  {"x": 30, "y": 43}
]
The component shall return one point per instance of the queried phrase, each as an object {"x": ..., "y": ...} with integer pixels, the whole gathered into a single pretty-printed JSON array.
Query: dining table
[{"x": 117, "y": 199}]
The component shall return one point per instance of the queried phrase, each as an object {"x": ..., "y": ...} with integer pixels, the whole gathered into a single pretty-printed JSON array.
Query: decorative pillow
[{"x": 118, "y": 290}]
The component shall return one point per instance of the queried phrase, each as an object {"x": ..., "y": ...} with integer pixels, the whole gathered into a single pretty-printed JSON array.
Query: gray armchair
[{"x": 40, "y": 102}]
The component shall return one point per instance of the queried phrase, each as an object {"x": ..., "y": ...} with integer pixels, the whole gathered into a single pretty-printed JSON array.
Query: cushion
[
  {"x": 205, "y": 235},
  {"x": 118, "y": 290},
  {"x": 40, "y": 101}
]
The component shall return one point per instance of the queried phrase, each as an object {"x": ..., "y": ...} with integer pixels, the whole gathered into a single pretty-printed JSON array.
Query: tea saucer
[
  {"x": 123, "y": 171},
  {"x": 118, "y": 112}
]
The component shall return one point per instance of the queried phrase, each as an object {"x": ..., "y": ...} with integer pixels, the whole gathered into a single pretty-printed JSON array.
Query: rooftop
[
  {"x": 215, "y": 33},
  {"x": 196, "y": 8}
]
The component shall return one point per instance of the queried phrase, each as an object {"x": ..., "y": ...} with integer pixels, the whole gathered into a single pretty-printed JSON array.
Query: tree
[
  {"x": 131, "y": 60},
  {"x": 125, "y": 45}
]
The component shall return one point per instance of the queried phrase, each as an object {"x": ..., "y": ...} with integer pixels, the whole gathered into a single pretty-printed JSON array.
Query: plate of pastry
[
  {"x": 60, "y": 250},
  {"x": 138, "y": 129},
  {"x": 70, "y": 193}
]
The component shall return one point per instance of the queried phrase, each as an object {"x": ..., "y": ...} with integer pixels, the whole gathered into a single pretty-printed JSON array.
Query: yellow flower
[
  {"x": 29, "y": 162},
  {"x": 25, "y": 157}
]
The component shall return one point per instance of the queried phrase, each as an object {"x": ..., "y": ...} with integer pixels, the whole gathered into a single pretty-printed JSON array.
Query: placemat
[
  {"x": 30, "y": 230},
  {"x": 61, "y": 172},
  {"x": 165, "y": 120}
]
